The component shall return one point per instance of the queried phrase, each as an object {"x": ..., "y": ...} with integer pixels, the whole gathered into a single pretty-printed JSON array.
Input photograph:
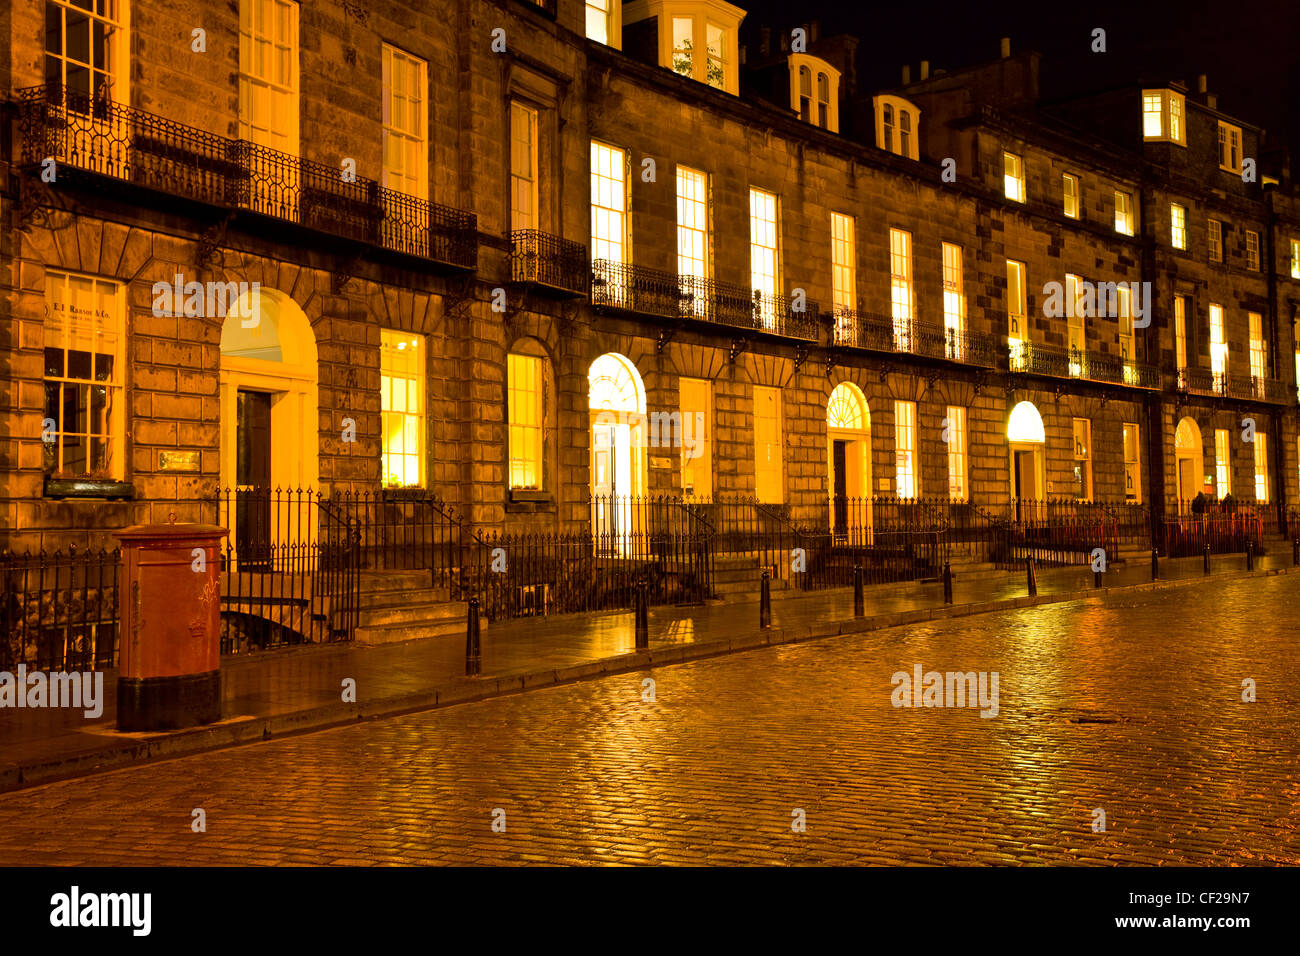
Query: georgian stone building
[{"x": 522, "y": 253}]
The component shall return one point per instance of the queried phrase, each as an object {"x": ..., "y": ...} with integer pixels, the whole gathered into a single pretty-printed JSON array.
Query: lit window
[
  {"x": 405, "y": 145},
  {"x": 683, "y": 46},
  {"x": 716, "y": 75},
  {"x": 697, "y": 446},
  {"x": 1295, "y": 258},
  {"x": 1124, "y": 307},
  {"x": 84, "y": 342},
  {"x": 905, "y": 477},
  {"x": 1258, "y": 351},
  {"x": 268, "y": 73},
  {"x": 956, "y": 433},
  {"x": 693, "y": 233},
  {"x": 1075, "y": 313},
  {"x": 1132, "y": 464},
  {"x": 86, "y": 52},
  {"x": 1177, "y": 226},
  {"x": 1218, "y": 347},
  {"x": 608, "y": 203},
  {"x": 600, "y": 21},
  {"x": 954, "y": 298},
  {"x": 1162, "y": 116},
  {"x": 767, "y": 445},
  {"x": 523, "y": 167},
  {"x": 1180, "y": 331},
  {"x": 1083, "y": 459},
  {"x": 900, "y": 287},
  {"x": 1252, "y": 251},
  {"x": 1123, "y": 212},
  {"x": 1071, "y": 188},
  {"x": 1222, "y": 463},
  {"x": 764, "y": 267},
  {"x": 526, "y": 411},
  {"x": 897, "y": 126},
  {"x": 401, "y": 391},
  {"x": 1261, "y": 467},
  {"x": 1215, "y": 240},
  {"x": 1230, "y": 148},
  {"x": 843, "y": 262},
  {"x": 1013, "y": 176},
  {"x": 1017, "y": 306}
]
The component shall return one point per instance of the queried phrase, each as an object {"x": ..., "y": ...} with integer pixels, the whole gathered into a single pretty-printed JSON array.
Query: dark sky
[{"x": 1248, "y": 49}]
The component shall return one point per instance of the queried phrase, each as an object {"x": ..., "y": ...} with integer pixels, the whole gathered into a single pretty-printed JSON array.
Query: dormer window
[
  {"x": 815, "y": 91},
  {"x": 1230, "y": 147},
  {"x": 697, "y": 38},
  {"x": 1162, "y": 116},
  {"x": 897, "y": 124},
  {"x": 603, "y": 24}
]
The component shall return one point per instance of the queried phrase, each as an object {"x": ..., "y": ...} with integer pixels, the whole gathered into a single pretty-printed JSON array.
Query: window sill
[
  {"x": 530, "y": 495},
  {"x": 528, "y": 501},
  {"x": 88, "y": 488}
]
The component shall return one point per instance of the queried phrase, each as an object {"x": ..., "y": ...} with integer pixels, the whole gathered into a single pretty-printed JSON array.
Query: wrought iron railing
[
  {"x": 1056, "y": 531},
  {"x": 543, "y": 259},
  {"x": 1037, "y": 359},
  {"x": 620, "y": 285},
  {"x": 1251, "y": 387},
  {"x": 882, "y": 333},
  {"x": 1225, "y": 532},
  {"x": 139, "y": 147},
  {"x": 58, "y": 611}
]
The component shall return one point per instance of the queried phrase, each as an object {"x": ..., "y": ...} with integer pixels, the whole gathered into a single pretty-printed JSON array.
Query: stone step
[
  {"x": 394, "y": 580},
  {"x": 414, "y": 614},
  {"x": 396, "y": 633},
  {"x": 371, "y": 597}
]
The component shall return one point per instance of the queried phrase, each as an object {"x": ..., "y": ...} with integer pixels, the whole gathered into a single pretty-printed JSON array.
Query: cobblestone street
[{"x": 1132, "y": 705}]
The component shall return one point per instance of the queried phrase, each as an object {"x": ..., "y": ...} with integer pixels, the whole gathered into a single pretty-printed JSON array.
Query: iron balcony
[
  {"x": 882, "y": 333},
  {"x": 146, "y": 150}
]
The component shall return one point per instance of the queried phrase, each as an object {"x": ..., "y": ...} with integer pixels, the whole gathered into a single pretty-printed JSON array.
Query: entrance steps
[{"x": 402, "y": 606}]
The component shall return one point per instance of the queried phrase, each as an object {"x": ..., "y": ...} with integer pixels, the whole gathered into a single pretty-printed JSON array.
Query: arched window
[
  {"x": 1026, "y": 425},
  {"x": 615, "y": 385},
  {"x": 823, "y": 100},
  {"x": 889, "y": 128},
  {"x": 817, "y": 101},
  {"x": 897, "y": 125},
  {"x": 805, "y": 94},
  {"x": 847, "y": 408}
]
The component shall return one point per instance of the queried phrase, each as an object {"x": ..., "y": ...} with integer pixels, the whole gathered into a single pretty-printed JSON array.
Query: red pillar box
[{"x": 169, "y": 605}]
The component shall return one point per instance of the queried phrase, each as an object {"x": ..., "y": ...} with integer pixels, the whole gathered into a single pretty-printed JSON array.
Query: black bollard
[
  {"x": 947, "y": 583},
  {"x": 473, "y": 641},
  {"x": 1155, "y": 564},
  {"x": 1295, "y": 551},
  {"x": 1032, "y": 579},
  {"x": 1096, "y": 577},
  {"x": 859, "y": 604},
  {"x": 642, "y": 615},
  {"x": 1250, "y": 555},
  {"x": 1206, "y": 554},
  {"x": 765, "y": 600}
]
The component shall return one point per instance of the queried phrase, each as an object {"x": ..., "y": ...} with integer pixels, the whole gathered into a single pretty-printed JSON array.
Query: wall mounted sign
[{"x": 178, "y": 461}]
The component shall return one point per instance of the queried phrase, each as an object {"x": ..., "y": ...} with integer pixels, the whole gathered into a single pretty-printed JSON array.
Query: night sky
[{"x": 1248, "y": 49}]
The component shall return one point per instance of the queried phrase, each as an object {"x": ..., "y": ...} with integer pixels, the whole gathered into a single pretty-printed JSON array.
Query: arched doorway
[
  {"x": 1189, "y": 462},
  {"x": 848, "y": 448},
  {"x": 1026, "y": 439},
  {"x": 617, "y": 404},
  {"x": 269, "y": 421}
]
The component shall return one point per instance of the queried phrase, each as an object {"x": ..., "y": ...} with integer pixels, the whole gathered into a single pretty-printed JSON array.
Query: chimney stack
[
  {"x": 1200, "y": 84},
  {"x": 907, "y": 75},
  {"x": 1211, "y": 101},
  {"x": 1006, "y": 47},
  {"x": 765, "y": 41},
  {"x": 813, "y": 29},
  {"x": 925, "y": 70}
]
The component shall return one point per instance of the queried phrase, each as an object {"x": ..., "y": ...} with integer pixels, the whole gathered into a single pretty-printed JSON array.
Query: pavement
[
  {"x": 1123, "y": 736},
  {"x": 296, "y": 690}
]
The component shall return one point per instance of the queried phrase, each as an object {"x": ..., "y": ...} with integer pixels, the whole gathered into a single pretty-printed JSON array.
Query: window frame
[
  {"x": 1178, "y": 226},
  {"x": 117, "y": 51},
  {"x": 760, "y": 252},
  {"x": 395, "y": 180},
  {"x": 1124, "y": 224},
  {"x": 389, "y": 339},
  {"x": 958, "y": 473},
  {"x": 1214, "y": 240},
  {"x": 1230, "y": 148},
  {"x": 703, "y": 462},
  {"x": 905, "y": 450},
  {"x": 1013, "y": 172},
  {"x": 1252, "y": 250},
  {"x": 1069, "y": 180},
  {"x": 525, "y": 433},
  {"x": 775, "y": 470},
  {"x": 531, "y": 182},
  {"x": 1222, "y": 463},
  {"x": 620, "y": 187},
  {"x": 113, "y": 435},
  {"x": 1083, "y": 488},
  {"x": 248, "y": 81},
  {"x": 844, "y": 265},
  {"x": 1132, "y": 466}
]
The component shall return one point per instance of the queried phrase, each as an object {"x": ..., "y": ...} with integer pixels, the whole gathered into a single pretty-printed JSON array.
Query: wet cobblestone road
[{"x": 1132, "y": 706}]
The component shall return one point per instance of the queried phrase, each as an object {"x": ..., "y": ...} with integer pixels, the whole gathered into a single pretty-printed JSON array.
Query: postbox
[{"x": 169, "y": 606}]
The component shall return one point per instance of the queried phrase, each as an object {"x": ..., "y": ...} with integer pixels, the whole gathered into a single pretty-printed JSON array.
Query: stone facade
[{"x": 586, "y": 91}]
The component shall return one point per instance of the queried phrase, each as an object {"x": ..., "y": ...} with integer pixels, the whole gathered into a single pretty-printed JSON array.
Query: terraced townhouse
[{"x": 486, "y": 249}]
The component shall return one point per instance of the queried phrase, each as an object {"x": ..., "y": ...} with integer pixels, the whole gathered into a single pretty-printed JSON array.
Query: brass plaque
[
  {"x": 661, "y": 462},
  {"x": 178, "y": 461}
]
